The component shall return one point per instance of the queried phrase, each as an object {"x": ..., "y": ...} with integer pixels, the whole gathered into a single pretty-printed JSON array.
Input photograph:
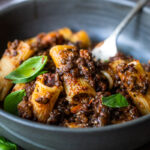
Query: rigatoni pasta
[
  {"x": 62, "y": 84},
  {"x": 134, "y": 80},
  {"x": 75, "y": 87},
  {"x": 44, "y": 98},
  {"x": 60, "y": 53},
  {"x": 15, "y": 54},
  {"x": 81, "y": 38}
]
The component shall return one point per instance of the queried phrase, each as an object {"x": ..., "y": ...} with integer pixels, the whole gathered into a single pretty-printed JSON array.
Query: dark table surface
[{"x": 144, "y": 147}]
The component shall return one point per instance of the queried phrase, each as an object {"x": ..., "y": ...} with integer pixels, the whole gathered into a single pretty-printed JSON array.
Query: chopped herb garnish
[
  {"x": 115, "y": 101},
  {"x": 12, "y": 100},
  {"x": 6, "y": 145},
  {"x": 28, "y": 70}
]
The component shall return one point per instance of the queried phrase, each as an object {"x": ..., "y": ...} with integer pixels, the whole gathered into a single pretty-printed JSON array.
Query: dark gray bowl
[{"x": 98, "y": 17}]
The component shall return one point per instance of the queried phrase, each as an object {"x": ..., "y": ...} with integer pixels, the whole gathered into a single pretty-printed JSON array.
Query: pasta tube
[
  {"x": 18, "y": 87},
  {"x": 43, "y": 98},
  {"x": 73, "y": 86},
  {"x": 76, "y": 87},
  {"x": 66, "y": 32},
  {"x": 81, "y": 38},
  {"x": 60, "y": 53},
  {"x": 16, "y": 53},
  {"x": 135, "y": 79}
]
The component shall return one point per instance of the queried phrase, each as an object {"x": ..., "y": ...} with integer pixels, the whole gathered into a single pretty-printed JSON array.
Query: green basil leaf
[
  {"x": 6, "y": 145},
  {"x": 28, "y": 70},
  {"x": 106, "y": 61},
  {"x": 24, "y": 80},
  {"x": 12, "y": 100},
  {"x": 42, "y": 72},
  {"x": 29, "y": 79},
  {"x": 115, "y": 101}
]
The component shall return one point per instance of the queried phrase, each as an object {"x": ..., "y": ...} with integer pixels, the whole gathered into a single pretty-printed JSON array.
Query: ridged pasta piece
[
  {"x": 46, "y": 40},
  {"x": 43, "y": 99},
  {"x": 75, "y": 87},
  {"x": 19, "y": 86},
  {"x": 57, "y": 37},
  {"x": 51, "y": 38},
  {"x": 81, "y": 38},
  {"x": 66, "y": 32},
  {"x": 31, "y": 41},
  {"x": 16, "y": 53},
  {"x": 24, "y": 107},
  {"x": 135, "y": 79},
  {"x": 60, "y": 53},
  {"x": 74, "y": 125}
]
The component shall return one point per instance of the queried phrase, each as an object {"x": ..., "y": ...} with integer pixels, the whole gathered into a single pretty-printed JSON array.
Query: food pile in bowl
[{"x": 53, "y": 79}]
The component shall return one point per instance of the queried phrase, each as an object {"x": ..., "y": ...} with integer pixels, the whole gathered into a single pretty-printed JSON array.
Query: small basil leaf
[
  {"x": 29, "y": 79},
  {"x": 2, "y": 139},
  {"x": 6, "y": 145},
  {"x": 28, "y": 70},
  {"x": 106, "y": 61},
  {"x": 115, "y": 101},
  {"x": 42, "y": 72},
  {"x": 12, "y": 100},
  {"x": 24, "y": 80}
]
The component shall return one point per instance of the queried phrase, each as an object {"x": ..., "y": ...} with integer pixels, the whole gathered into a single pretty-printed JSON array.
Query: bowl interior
[{"x": 99, "y": 18}]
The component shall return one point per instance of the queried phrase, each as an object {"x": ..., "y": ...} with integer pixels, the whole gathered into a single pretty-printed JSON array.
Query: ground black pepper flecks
[{"x": 79, "y": 63}]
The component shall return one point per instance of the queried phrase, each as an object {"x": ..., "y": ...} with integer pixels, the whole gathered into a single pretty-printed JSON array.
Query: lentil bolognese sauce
[{"x": 53, "y": 79}]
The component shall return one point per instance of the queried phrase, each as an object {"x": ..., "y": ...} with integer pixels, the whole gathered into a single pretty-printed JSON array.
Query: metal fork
[{"x": 108, "y": 48}]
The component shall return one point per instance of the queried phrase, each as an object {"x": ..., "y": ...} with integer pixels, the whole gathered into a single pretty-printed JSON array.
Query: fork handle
[{"x": 127, "y": 19}]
